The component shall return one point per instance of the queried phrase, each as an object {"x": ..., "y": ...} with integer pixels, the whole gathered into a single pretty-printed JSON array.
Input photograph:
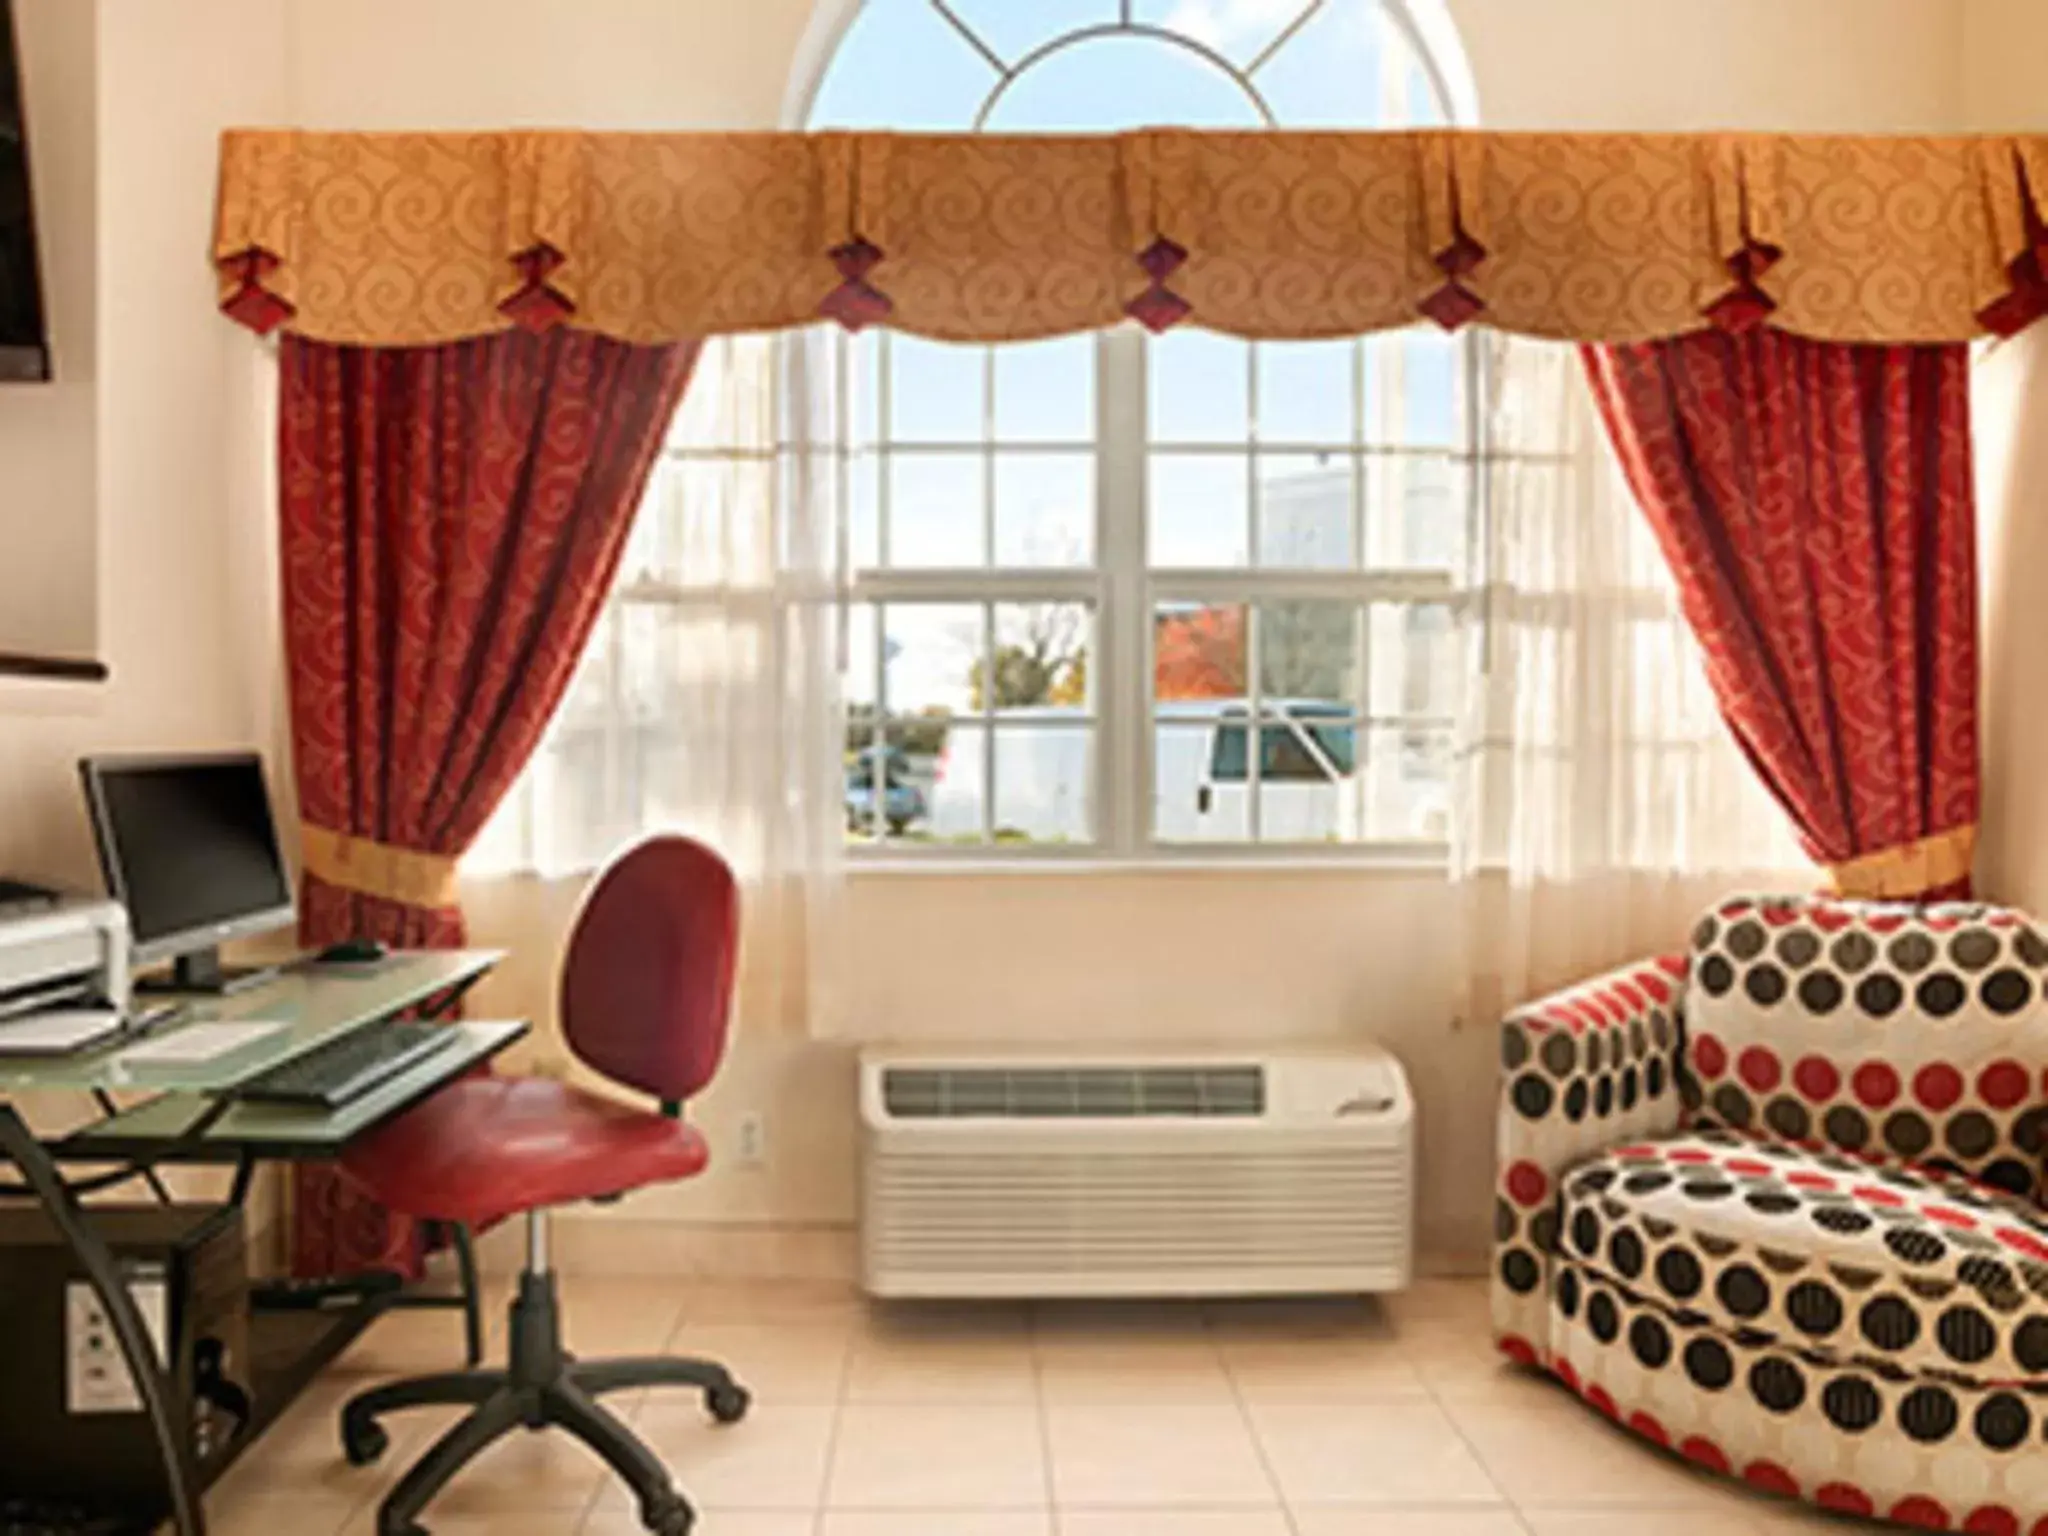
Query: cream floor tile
[
  {"x": 937, "y": 1457},
  {"x": 528, "y": 1474},
  {"x": 774, "y": 1459},
  {"x": 1174, "y": 1364},
  {"x": 274, "y": 1513},
  {"x": 301, "y": 1452},
  {"x": 1173, "y": 1522},
  {"x": 710, "y": 1522},
  {"x": 1554, "y": 1450},
  {"x": 1636, "y": 1519},
  {"x": 540, "y": 1522},
  {"x": 773, "y": 1301},
  {"x": 941, "y": 1367},
  {"x": 1111, "y": 1457},
  {"x": 780, "y": 1364},
  {"x": 1370, "y": 1453},
  {"x": 947, "y": 1522},
  {"x": 1301, "y": 1317},
  {"x": 415, "y": 1341},
  {"x": 1268, "y": 1370},
  {"x": 1357, "y": 1520}
]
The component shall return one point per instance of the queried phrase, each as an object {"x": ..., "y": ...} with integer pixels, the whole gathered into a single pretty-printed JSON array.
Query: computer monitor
[{"x": 188, "y": 846}]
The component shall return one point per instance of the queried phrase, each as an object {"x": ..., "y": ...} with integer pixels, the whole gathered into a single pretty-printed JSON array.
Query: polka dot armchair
[{"x": 1776, "y": 1205}]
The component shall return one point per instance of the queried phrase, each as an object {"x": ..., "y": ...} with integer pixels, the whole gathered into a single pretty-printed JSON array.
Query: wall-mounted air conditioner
[{"x": 1177, "y": 1172}]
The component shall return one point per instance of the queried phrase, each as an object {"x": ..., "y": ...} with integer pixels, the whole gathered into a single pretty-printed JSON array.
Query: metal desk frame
[{"x": 199, "y": 1139}]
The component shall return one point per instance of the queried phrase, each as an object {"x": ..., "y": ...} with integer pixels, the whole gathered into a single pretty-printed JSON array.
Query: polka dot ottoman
[{"x": 1776, "y": 1205}]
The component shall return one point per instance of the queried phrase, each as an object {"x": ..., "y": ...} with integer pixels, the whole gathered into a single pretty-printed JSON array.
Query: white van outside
[{"x": 1201, "y": 775}]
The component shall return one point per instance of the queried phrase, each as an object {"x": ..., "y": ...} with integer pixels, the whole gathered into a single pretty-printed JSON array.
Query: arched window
[
  {"x": 1083, "y": 577},
  {"x": 1086, "y": 573}
]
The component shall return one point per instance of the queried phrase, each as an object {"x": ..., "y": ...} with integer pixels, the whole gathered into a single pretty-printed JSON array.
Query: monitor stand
[{"x": 202, "y": 971}]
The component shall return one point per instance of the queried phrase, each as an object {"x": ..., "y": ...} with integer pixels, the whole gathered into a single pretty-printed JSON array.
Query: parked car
[{"x": 903, "y": 803}]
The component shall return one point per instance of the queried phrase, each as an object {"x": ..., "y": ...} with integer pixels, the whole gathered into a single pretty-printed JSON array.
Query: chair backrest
[
  {"x": 1910, "y": 1034},
  {"x": 647, "y": 982}
]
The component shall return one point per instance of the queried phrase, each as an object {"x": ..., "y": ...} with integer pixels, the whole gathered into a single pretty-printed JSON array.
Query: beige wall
[
  {"x": 1250, "y": 957},
  {"x": 170, "y": 407},
  {"x": 49, "y": 578}
]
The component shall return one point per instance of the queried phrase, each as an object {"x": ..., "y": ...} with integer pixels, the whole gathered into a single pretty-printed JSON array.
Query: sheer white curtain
[
  {"x": 709, "y": 701},
  {"x": 1602, "y": 802}
]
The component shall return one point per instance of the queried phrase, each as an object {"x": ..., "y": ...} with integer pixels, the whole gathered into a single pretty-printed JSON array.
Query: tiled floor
[{"x": 1253, "y": 1419}]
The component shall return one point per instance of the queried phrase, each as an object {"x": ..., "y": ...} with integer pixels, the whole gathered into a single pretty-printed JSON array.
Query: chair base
[{"x": 543, "y": 1386}]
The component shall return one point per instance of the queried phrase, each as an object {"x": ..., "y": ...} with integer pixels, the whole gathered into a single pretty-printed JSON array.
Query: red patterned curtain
[
  {"x": 1814, "y": 501},
  {"x": 452, "y": 519}
]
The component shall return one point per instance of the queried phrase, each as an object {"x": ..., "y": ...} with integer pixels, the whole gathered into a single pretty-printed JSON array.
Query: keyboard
[{"x": 330, "y": 1075}]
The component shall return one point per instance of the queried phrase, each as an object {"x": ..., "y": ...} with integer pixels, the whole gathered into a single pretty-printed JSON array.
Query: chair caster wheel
[
  {"x": 363, "y": 1444},
  {"x": 728, "y": 1405},
  {"x": 674, "y": 1518}
]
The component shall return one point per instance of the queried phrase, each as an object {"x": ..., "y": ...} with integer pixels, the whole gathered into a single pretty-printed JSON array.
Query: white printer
[{"x": 72, "y": 951}]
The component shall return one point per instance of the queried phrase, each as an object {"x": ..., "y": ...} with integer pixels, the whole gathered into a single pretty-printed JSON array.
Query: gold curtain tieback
[
  {"x": 1907, "y": 869},
  {"x": 384, "y": 870}
]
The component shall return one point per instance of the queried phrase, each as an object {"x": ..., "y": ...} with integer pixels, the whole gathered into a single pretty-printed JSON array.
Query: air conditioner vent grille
[{"x": 1071, "y": 1093}]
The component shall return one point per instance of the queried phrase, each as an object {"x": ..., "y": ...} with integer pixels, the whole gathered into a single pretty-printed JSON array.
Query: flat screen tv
[{"x": 24, "y": 342}]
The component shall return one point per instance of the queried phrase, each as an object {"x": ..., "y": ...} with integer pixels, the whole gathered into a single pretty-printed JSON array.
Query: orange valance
[{"x": 396, "y": 239}]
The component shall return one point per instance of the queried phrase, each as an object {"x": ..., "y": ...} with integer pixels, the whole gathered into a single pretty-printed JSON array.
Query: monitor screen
[{"x": 188, "y": 845}]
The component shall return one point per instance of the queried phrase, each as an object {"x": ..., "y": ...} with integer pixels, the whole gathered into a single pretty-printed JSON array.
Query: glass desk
[{"x": 190, "y": 1114}]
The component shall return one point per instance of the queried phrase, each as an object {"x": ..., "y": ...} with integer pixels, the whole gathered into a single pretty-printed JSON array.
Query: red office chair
[{"x": 645, "y": 990}]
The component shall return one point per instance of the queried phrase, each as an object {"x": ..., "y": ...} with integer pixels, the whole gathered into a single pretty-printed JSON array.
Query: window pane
[
  {"x": 1432, "y": 362},
  {"x": 864, "y": 385},
  {"x": 1045, "y": 509},
  {"x": 1197, "y": 509},
  {"x": 1404, "y": 774},
  {"x": 902, "y": 65},
  {"x": 1045, "y": 391},
  {"x": 1198, "y": 654},
  {"x": 1305, "y": 392},
  {"x": 1305, "y": 510},
  {"x": 1102, "y": 83},
  {"x": 1308, "y": 791},
  {"x": 1417, "y": 666},
  {"x": 1308, "y": 650},
  {"x": 1041, "y": 662},
  {"x": 931, "y": 653},
  {"x": 1200, "y": 387},
  {"x": 1012, "y": 30},
  {"x": 864, "y": 510},
  {"x": 1415, "y": 511},
  {"x": 1043, "y": 776},
  {"x": 1190, "y": 804},
  {"x": 959, "y": 785},
  {"x": 1345, "y": 68},
  {"x": 935, "y": 391},
  {"x": 1234, "y": 28},
  {"x": 935, "y": 509}
]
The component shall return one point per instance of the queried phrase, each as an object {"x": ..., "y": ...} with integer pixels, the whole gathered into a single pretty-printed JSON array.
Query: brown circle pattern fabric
[
  {"x": 1811, "y": 1253},
  {"x": 1913, "y": 1035}
]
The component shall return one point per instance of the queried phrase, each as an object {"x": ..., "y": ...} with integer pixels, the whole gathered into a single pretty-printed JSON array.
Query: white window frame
[{"x": 1123, "y": 589}]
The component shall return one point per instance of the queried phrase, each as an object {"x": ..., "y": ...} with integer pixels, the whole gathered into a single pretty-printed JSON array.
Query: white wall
[{"x": 49, "y": 578}]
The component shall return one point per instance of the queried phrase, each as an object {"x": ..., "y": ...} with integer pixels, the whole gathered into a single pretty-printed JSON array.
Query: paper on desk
[
  {"x": 57, "y": 1031},
  {"x": 191, "y": 1044}
]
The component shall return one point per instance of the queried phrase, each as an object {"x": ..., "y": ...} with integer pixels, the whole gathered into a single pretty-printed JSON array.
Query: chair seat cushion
[
  {"x": 484, "y": 1148},
  {"x": 1899, "y": 1270}
]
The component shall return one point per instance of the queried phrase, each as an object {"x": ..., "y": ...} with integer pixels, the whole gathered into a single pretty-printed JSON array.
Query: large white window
[{"x": 1132, "y": 595}]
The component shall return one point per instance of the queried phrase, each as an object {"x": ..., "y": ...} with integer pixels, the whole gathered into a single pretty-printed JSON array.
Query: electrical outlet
[{"x": 753, "y": 1150}]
